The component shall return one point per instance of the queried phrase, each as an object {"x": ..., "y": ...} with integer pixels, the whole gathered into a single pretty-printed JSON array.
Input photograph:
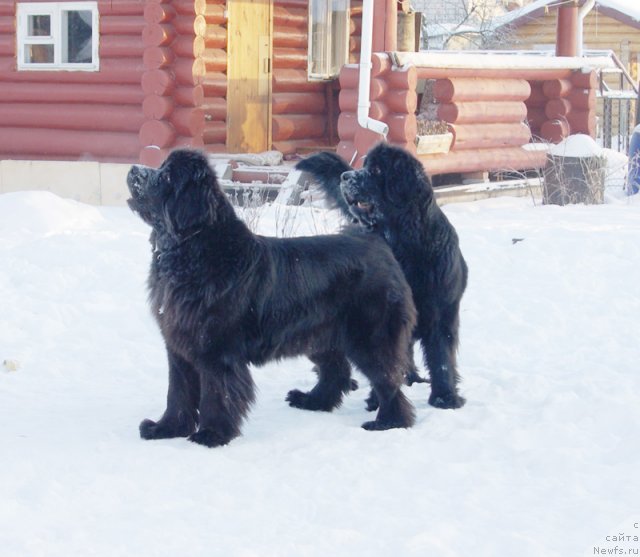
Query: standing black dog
[
  {"x": 393, "y": 196},
  {"x": 225, "y": 298}
]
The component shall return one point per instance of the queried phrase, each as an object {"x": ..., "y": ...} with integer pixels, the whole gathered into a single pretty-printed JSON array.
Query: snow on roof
[{"x": 629, "y": 8}]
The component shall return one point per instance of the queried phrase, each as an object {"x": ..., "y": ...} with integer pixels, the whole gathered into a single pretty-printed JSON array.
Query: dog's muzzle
[{"x": 137, "y": 178}]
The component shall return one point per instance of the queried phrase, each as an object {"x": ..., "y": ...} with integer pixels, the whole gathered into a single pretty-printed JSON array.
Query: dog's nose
[
  {"x": 139, "y": 171},
  {"x": 346, "y": 176}
]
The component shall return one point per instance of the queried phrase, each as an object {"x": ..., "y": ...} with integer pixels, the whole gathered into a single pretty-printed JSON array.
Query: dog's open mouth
[{"x": 364, "y": 206}]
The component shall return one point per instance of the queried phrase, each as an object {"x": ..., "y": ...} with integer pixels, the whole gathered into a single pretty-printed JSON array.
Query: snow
[
  {"x": 543, "y": 459},
  {"x": 578, "y": 146}
]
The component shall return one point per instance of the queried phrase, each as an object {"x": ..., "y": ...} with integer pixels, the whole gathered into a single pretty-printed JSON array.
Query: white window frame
[
  {"x": 327, "y": 60},
  {"x": 54, "y": 10}
]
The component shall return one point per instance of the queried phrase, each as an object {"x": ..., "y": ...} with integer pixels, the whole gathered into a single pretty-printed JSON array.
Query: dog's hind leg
[
  {"x": 181, "y": 416},
  {"x": 386, "y": 377},
  {"x": 334, "y": 380},
  {"x": 227, "y": 391},
  {"x": 440, "y": 344}
]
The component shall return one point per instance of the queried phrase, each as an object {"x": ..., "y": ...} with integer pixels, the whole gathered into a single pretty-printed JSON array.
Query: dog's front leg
[
  {"x": 181, "y": 416},
  {"x": 226, "y": 393}
]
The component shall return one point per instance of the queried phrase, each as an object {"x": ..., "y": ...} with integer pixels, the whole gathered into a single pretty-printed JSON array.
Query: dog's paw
[
  {"x": 210, "y": 438},
  {"x": 305, "y": 401},
  {"x": 382, "y": 425},
  {"x": 164, "y": 429},
  {"x": 447, "y": 401},
  {"x": 414, "y": 377},
  {"x": 371, "y": 402}
]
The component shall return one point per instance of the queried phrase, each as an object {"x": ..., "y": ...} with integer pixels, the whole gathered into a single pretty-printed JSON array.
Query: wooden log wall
[
  {"x": 176, "y": 60},
  {"x": 75, "y": 115},
  {"x": 301, "y": 108},
  {"x": 564, "y": 106}
]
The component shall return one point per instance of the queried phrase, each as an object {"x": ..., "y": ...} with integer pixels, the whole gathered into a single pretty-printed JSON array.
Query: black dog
[
  {"x": 393, "y": 196},
  {"x": 225, "y": 298}
]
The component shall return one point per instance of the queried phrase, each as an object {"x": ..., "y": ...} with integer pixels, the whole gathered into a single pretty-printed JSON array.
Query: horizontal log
[
  {"x": 557, "y": 88},
  {"x": 124, "y": 46},
  {"x": 153, "y": 156},
  {"x": 184, "y": 46},
  {"x": 7, "y": 46},
  {"x": 294, "y": 3},
  {"x": 121, "y": 25},
  {"x": 445, "y": 73},
  {"x": 403, "y": 78},
  {"x": 292, "y": 38},
  {"x": 294, "y": 81},
  {"x": 347, "y": 126},
  {"x": 380, "y": 64},
  {"x": 300, "y": 145},
  {"x": 289, "y": 58},
  {"x": 214, "y": 132},
  {"x": 187, "y": 71},
  {"x": 555, "y": 130},
  {"x": 156, "y": 57},
  {"x": 112, "y": 70},
  {"x": 507, "y": 159},
  {"x": 364, "y": 141},
  {"x": 347, "y": 150},
  {"x": 298, "y": 126},
  {"x": 185, "y": 25},
  {"x": 158, "y": 13},
  {"x": 288, "y": 16},
  {"x": 215, "y": 59},
  {"x": 214, "y": 84},
  {"x": 484, "y": 136},
  {"x": 585, "y": 80},
  {"x": 583, "y": 99},
  {"x": 69, "y": 144},
  {"x": 155, "y": 107},
  {"x": 215, "y": 110},
  {"x": 158, "y": 82},
  {"x": 557, "y": 108},
  {"x": 299, "y": 103},
  {"x": 7, "y": 24},
  {"x": 216, "y": 14},
  {"x": 159, "y": 133},
  {"x": 537, "y": 96},
  {"x": 71, "y": 116},
  {"x": 479, "y": 89},
  {"x": 7, "y": 9},
  {"x": 120, "y": 7},
  {"x": 72, "y": 92},
  {"x": 482, "y": 112},
  {"x": 215, "y": 36}
]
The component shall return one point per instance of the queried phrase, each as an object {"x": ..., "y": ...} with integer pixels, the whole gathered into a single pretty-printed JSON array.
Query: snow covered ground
[{"x": 543, "y": 460}]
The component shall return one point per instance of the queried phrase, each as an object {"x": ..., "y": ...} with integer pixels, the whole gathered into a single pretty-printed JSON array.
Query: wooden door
[{"x": 249, "y": 75}]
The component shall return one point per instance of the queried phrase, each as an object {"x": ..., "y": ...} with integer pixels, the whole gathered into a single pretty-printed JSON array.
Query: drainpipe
[
  {"x": 365, "y": 73},
  {"x": 582, "y": 13}
]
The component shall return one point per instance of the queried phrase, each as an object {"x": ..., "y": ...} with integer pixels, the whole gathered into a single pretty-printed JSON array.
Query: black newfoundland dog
[
  {"x": 225, "y": 298},
  {"x": 393, "y": 196}
]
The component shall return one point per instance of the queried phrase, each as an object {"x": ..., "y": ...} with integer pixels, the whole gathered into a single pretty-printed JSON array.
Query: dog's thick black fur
[
  {"x": 393, "y": 196},
  {"x": 225, "y": 298}
]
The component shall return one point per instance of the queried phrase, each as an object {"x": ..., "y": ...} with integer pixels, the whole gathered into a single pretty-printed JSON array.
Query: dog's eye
[{"x": 376, "y": 171}]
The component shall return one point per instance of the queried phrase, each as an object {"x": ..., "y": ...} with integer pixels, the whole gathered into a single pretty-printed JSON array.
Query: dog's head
[
  {"x": 179, "y": 197},
  {"x": 390, "y": 181}
]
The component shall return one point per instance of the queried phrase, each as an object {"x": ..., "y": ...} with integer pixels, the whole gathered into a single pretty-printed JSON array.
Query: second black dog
[{"x": 393, "y": 196}]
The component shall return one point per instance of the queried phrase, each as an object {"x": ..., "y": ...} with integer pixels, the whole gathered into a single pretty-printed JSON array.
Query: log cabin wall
[
  {"x": 75, "y": 115},
  {"x": 176, "y": 59}
]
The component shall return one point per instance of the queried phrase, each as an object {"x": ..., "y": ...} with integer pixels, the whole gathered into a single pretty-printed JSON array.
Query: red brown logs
[
  {"x": 583, "y": 99},
  {"x": 484, "y": 136},
  {"x": 215, "y": 109},
  {"x": 293, "y": 38},
  {"x": 291, "y": 103},
  {"x": 525, "y": 73},
  {"x": 298, "y": 126},
  {"x": 121, "y": 7},
  {"x": 478, "y": 89},
  {"x": 115, "y": 46},
  {"x": 121, "y": 25},
  {"x": 189, "y": 96},
  {"x": 347, "y": 125},
  {"x": 157, "y": 82},
  {"x": 216, "y": 13},
  {"x": 112, "y": 70},
  {"x": 188, "y": 121},
  {"x": 583, "y": 121},
  {"x": 536, "y": 117},
  {"x": 557, "y": 88},
  {"x": 567, "y": 30},
  {"x": 215, "y": 36},
  {"x": 557, "y": 108},
  {"x": 290, "y": 17},
  {"x": 537, "y": 96},
  {"x": 289, "y": 58},
  {"x": 155, "y": 107},
  {"x": 402, "y": 127},
  {"x": 214, "y": 84},
  {"x": 71, "y": 116},
  {"x": 585, "y": 80},
  {"x": 512, "y": 158},
  {"x": 214, "y": 132},
  {"x": 555, "y": 130},
  {"x": 72, "y": 92},
  {"x": 215, "y": 60},
  {"x": 157, "y": 132},
  {"x": 286, "y": 80},
  {"x": 296, "y": 145},
  {"x": 158, "y": 13},
  {"x": 403, "y": 101},
  {"x": 158, "y": 34},
  {"x": 479, "y": 112},
  {"x": 68, "y": 143},
  {"x": 156, "y": 57}
]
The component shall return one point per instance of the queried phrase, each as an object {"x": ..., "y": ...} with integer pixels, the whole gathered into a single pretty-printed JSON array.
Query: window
[
  {"x": 328, "y": 38},
  {"x": 58, "y": 36}
]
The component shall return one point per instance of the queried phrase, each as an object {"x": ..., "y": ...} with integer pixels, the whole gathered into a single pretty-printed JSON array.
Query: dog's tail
[{"x": 326, "y": 169}]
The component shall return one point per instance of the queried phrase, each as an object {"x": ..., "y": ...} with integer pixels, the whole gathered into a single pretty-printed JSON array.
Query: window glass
[
  {"x": 77, "y": 32},
  {"x": 39, "y": 26},
  {"x": 39, "y": 54},
  {"x": 328, "y": 37}
]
